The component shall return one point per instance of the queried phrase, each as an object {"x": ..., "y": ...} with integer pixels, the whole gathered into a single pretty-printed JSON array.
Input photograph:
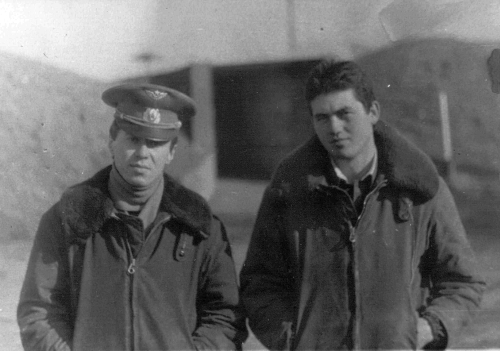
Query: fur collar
[
  {"x": 405, "y": 167},
  {"x": 85, "y": 207}
]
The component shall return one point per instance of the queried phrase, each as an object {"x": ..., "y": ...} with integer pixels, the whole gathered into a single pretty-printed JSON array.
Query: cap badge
[
  {"x": 156, "y": 94},
  {"x": 152, "y": 115}
]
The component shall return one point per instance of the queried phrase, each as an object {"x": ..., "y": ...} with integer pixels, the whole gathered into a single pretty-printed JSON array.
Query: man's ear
[
  {"x": 110, "y": 147},
  {"x": 375, "y": 112},
  {"x": 171, "y": 153}
]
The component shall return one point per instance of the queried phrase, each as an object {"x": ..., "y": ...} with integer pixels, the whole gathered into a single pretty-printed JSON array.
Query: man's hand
[{"x": 424, "y": 333}]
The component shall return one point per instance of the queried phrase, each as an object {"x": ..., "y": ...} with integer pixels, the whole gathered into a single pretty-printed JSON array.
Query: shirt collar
[{"x": 372, "y": 171}]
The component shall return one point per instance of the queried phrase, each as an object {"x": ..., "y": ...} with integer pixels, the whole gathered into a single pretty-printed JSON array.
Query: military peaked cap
[{"x": 149, "y": 111}]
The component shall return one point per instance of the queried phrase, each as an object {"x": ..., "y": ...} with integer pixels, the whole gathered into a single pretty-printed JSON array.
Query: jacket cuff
[{"x": 440, "y": 337}]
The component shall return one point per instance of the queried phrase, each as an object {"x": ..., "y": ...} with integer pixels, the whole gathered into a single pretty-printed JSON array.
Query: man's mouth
[{"x": 338, "y": 141}]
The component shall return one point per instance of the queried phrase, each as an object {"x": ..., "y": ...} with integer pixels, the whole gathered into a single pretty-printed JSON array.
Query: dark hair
[
  {"x": 114, "y": 129},
  {"x": 331, "y": 75}
]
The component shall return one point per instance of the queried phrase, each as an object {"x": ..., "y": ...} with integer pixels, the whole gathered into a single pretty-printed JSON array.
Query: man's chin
[
  {"x": 340, "y": 155},
  {"x": 139, "y": 181}
]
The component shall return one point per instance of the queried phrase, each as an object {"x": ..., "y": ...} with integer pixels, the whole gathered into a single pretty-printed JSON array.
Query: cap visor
[{"x": 141, "y": 131}]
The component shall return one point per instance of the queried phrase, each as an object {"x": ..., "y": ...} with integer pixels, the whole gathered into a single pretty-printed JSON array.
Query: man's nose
[
  {"x": 335, "y": 124},
  {"x": 142, "y": 150}
]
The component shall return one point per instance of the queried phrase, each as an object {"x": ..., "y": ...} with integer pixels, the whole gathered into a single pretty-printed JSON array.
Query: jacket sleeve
[
  {"x": 43, "y": 312},
  {"x": 221, "y": 322},
  {"x": 268, "y": 288},
  {"x": 455, "y": 285}
]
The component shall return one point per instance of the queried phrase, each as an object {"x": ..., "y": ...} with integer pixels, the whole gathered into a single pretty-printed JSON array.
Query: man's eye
[
  {"x": 344, "y": 114},
  {"x": 155, "y": 143},
  {"x": 321, "y": 117}
]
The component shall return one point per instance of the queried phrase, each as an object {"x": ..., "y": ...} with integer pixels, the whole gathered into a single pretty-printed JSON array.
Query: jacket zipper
[
  {"x": 378, "y": 187},
  {"x": 352, "y": 239},
  {"x": 132, "y": 267},
  {"x": 131, "y": 270}
]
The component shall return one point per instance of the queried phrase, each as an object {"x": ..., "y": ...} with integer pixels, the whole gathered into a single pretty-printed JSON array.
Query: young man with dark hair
[
  {"x": 358, "y": 243},
  {"x": 130, "y": 259}
]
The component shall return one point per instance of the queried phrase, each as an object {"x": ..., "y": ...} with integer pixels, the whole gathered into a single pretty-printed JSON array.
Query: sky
[{"x": 116, "y": 39}]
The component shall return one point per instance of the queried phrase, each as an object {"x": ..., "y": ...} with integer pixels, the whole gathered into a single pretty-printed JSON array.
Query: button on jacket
[
  {"x": 90, "y": 287},
  {"x": 322, "y": 275}
]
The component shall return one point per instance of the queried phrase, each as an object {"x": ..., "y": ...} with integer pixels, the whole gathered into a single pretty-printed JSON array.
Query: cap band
[
  {"x": 150, "y": 116},
  {"x": 145, "y": 131}
]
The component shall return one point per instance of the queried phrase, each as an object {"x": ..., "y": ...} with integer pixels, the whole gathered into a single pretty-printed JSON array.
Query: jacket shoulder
[
  {"x": 407, "y": 168},
  {"x": 186, "y": 206},
  {"x": 85, "y": 207},
  {"x": 308, "y": 158}
]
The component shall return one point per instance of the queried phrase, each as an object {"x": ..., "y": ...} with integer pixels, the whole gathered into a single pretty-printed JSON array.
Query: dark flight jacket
[
  {"x": 95, "y": 282},
  {"x": 319, "y": 275}
]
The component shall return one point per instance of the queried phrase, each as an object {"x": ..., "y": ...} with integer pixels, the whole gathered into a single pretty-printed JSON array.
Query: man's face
[
  {"x": 344, "y": 127},
  {"x": 140, "y": 161}
]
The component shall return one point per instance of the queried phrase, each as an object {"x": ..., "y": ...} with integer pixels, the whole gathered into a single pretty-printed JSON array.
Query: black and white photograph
[{"x": 249, "y": 175}]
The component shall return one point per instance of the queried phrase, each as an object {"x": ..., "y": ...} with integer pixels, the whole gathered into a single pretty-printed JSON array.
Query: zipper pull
[
  {"x": 352, "y": 236},
  {"x": 131, "y": 268}
]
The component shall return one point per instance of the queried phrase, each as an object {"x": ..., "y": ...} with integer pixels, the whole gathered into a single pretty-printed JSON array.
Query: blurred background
[{"x": 435, "y": 66}]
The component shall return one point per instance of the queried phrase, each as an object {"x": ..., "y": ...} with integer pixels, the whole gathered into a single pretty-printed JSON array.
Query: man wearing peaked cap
[
  {"x": 149, "y": 111},
  {"x": 130, "y": 259}
]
